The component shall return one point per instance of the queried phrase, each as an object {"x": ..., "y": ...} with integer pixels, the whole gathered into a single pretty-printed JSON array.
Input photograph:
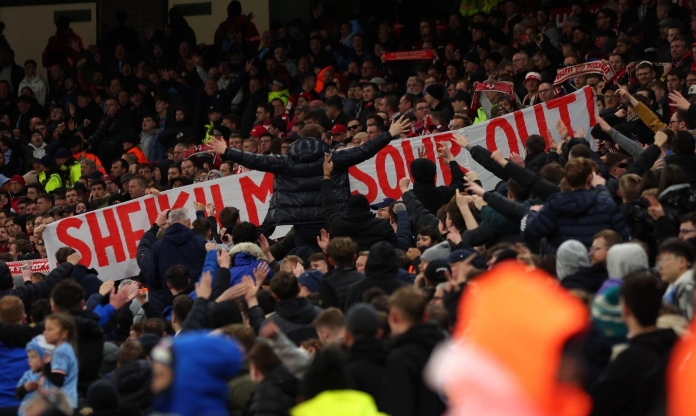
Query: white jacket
[{"x": 37, "y": 85}]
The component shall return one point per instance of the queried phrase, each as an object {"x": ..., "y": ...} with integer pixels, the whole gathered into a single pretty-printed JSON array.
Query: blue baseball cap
[{"x": 385, "y": 203}]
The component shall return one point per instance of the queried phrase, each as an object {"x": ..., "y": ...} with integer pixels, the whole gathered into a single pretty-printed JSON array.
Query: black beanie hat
[{"x": 437, "y": 91}]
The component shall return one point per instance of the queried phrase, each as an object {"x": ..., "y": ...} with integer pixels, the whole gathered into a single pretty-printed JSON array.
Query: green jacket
[
  {"x": 338, "y": 403},
  {"x": 50, "y": 182},
  {"x": 71, "y": 173}
]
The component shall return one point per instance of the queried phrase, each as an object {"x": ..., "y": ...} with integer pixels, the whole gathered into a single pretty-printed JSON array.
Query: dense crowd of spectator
[{"x": 349, "y": 311}]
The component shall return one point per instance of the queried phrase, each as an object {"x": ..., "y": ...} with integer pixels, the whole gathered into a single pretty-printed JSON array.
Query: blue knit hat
[
  {"x": 606, "y": 314},
  {"x": 39, "y": 345}
]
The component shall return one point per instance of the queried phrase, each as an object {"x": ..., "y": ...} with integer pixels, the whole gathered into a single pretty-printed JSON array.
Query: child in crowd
[
  {"x": 37, "y": 351},
  {"x": 61, "y": 368}
]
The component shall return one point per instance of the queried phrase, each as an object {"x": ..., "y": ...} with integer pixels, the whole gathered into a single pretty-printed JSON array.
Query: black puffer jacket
[
  {"x": 333, "y": 288},
  {"x": 298, "y": 175}
]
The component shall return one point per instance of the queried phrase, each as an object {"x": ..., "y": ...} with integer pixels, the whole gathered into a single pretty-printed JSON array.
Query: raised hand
[
  {"x": 161, "y": 220},
  {"x": 205, "y": 287},
  {"x": 580, "y": 132},
  {"x": 210, "y": 209},
  {"x": 328, "y": 164},
  {"x": 474, "y": 188},
  {"x": 422, "y": 152},
  {"x": 198, "y": 206},
  {"x": 106, "y": 287},
  {"x": 218, "y": 146},
  {"x": 234, "y": 292},
  {"x": 444, "y": 152},
  {"x": 75, "y": 258},
  {"x": 497, "y": 157},
  {"x": 562, "y": 130},
  {"x": 261, "y": 271},
  {"x": 323, "y": 239},
  {"x": 461, "y": 139},
  {"x": 404, "y": 184},
  {"x": 655, "y": 209},
  {"x": 223, "y": 259},
  {"x": 298, "y": 269},
  {"x": 210, "y": 246},
  {"x": 399, "y": 126},
  {"x": 678, "y": 100},
  {"x": 515, "y": 158}
]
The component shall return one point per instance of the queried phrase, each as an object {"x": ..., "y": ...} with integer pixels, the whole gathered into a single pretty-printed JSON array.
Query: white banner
[{"x": 108, "y": 238}]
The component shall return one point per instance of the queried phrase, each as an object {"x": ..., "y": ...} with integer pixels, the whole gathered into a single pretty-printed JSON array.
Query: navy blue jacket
[
  {"x": 87, "y": 278},
  {"x": 576, "y": 215},
  {"x": 181, "y": 246}
]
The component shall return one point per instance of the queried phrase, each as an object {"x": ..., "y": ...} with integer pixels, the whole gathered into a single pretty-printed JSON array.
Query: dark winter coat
[
  {"x": 180, "y": 245},
  {"x": 333, "y": 288},
  {"x": 87, "y": 278},
  {"x": 589, "y": 279},
  {"x": 90, "y": 347},
  {"x": 365, "y": 367},
  {"x": 626, "y": 382},
  {"x": 687, "y": 163},
  {"x": 576, "y": 215},
  {"x": 406, "y": 393},
  {"x": 30, "y": 292},
  {"x": 535, "y": 161},
  {"x": 431, "y": 196},
  {"x": 295, "y": 317},
  {"x": 132, "y": 380},
  {"x": 105, "y": 143},
  {"x": 357, "y": 222},
  {"x": 297, "y": 176},
  {"x": 275, "y": 395},
  {"x": 381, "y": 271}
]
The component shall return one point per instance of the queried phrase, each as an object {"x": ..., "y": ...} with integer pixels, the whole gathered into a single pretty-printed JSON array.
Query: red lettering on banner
[
  {"x": 427, "y": 143},
  {"x": 562, "y": 104},
  {"x": 101, "y": 242},
  {"x": 367, "y": 180},
  {"x": 151, "y": 210},
  {"x": 163, "y": 202},
  {"x": 408, "y": 155},
  {"x": 181, "y": 200},
  {"x": 250, "y": 191},
  {"x": 70, "y": 241},
  {"x": 502, "y": 123},
  {"x": 387, "y": 190},
  {"x": 541, "y": 123},
  {"x": 521, "y": 126},
  {"x": 217, "y": 201},
  {"x": 199, "y": 193},
  {"x": 131, "y": 236},
  {"x": 590, "y": 100}
]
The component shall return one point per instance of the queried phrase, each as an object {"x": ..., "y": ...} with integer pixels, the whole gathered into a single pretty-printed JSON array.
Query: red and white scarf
[
  {"x": 496, "y": 86},
  {"x": 596, "y": 67}
]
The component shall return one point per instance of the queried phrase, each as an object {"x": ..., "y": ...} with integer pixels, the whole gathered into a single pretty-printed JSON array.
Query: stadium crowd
[{"x": 565, "y": 289}]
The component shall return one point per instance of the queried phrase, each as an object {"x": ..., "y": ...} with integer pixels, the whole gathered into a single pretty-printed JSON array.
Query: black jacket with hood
[
  {"x": 132, "y": 380},
  {"x": 431, "y": 196},
  {"x": 357, "y": 222},
  {"x": 297, "y": 176},
  {"x": 295, "y": 317},
  {"x": 333, "y": 288},
  {"x": 365, "y": 366},
  {"x": 627, "y": 384},
  {"x": 381, "y": 270},
  {"x": 275, "y": 395},
  {"x": 406, "y": 393}
]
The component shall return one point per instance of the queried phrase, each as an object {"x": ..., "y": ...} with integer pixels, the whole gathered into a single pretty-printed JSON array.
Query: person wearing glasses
[{"x": 354, "y": 127}]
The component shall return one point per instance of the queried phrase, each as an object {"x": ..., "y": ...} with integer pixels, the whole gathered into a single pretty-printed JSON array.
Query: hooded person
[
  {"x": 424, "y": 176},
  {"x": 103, "y": 398},
  {"x": 326, "y": 390},
  {"x": 381, "y": 270},
  {"x": 488, "y": 369},
  {"x": 357, "y": 222},
  {"x": 209, "y": 360},
  {"x": 570, "y": 258},
  {"x": 622, "y": 260},
  {"x": 297, "y": 192}
]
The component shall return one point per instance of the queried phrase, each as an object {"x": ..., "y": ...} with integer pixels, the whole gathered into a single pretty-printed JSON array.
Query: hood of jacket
[
  {"x": 211, "y": 371},
  {"x": 571, "y": 256},
  {"x": 382, "y": 262},
  {"x": 247, "y": 249},
  {"x": 79, "y": 272},
  {"x": 179, "y": 234},
  {"x": 297, "y": 310},
  {"x": 426, "y": 336},
  {"x": 371, "y": 350},
  {"x": 623, "y": 259},
  {"x": 423, "y": 171},
  {"x": 87, "y": 324},
  {"x": 131, "y": 377},
  {"x": 308, "y": 150},
  {"x": 358, "y": 209},
  {"x": 575, "y": 203},
  {"x": 660, "y": 341},
  {"x": 677, "y": 195}
]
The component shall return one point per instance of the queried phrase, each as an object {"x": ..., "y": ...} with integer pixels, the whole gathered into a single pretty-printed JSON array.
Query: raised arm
[
  {"x": 351, "y": 157},
  {"x": 263, "y": 163}
]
